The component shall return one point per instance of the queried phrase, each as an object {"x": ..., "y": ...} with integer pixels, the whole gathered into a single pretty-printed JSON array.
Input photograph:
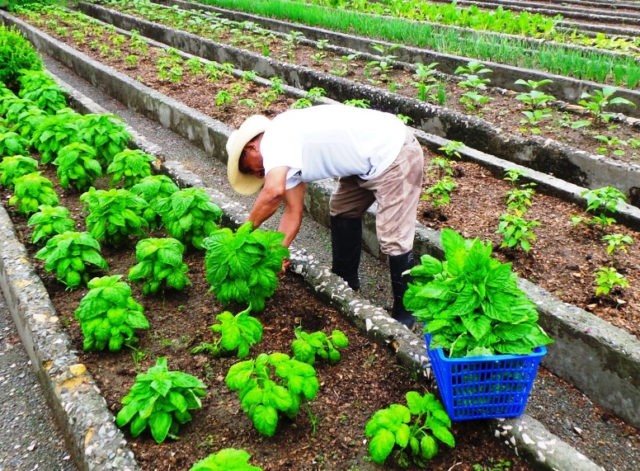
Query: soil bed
[
  {"x": 564, "y": 258},
  {"x": 328, "y": 434}
]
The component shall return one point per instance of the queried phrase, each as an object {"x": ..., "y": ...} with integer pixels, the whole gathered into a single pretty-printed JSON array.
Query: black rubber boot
[
  {"x": 346, "y": 242},
  {"x": 398, "y": 264}
]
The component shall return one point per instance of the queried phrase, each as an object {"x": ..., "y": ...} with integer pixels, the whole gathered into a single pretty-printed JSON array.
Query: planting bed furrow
[
  {"x": 605, "y": 4},
  {"x": 123, "y": 89},
  {"x": 584, "y": 23},
  {"x": 594, "y": 31},
  {"x": 563, "y": 88},
  {"x": 544, "y": 154},
  {"x": 450, "y": 29},
  {"x": 588, "y": 27}
]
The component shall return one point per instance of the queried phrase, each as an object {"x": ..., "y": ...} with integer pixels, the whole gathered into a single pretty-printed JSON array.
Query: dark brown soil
[
  {"x": 328, "y": 433},
  {"x": 563, "y": 259}
]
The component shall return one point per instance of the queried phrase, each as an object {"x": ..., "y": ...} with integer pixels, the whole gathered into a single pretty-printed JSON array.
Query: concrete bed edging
[
  {"x": 88, "y": 425},
  {"x": 612, "y": 346},
  {"x": 81, "y": 412},
  {"x": 572, "y": 164}
]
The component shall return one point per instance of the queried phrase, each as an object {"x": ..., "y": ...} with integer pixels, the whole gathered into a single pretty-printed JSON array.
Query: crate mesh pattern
[{"x": 485, "y": 387}]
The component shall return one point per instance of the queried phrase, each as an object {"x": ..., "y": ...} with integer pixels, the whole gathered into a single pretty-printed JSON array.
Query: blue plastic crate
[{"x": 485, "y": 387}]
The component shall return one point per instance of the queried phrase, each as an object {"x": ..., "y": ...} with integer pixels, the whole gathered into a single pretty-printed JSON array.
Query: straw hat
[{"x": 240, "y": 182}]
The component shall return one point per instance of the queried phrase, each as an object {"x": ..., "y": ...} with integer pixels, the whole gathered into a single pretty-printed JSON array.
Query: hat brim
[{"x": 243, "y": 183}]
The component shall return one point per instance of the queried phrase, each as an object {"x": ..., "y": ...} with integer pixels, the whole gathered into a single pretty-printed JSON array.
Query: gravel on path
[{"x": 29, "y": 438}]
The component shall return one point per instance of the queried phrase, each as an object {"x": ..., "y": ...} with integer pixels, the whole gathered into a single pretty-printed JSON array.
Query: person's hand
[{"x": 285, "y": 264}]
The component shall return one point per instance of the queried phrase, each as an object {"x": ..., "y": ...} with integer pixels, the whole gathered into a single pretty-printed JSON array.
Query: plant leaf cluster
[
  {"x": 470, "y": 303},
  {"x": 16, "y": 166},
  {"x": 32, "y": 80},
  {"x": 517, "y": 231},
  {"x": 48, "y": 98},
  {"x": 160, "y": 265},
  {"x": 77, "y": 166},
  {"x": 109, "y": 315},
  {"x": 189, "y": 215},
  {"x": 114, "y": 215},
  {"x": 48, "y": 222},
  {"x": 413, "y": 431},
  {"x": 236, "y": 334},
  {"x": 130, "y": 166},
  {"x": 22, "y": 116},
  {"x": 515, "y": 228},
  {"x": 16, "y": 53},
  {"x": 106, "y": 133},
  {"x": 603, "y": 200},
  {"x": 272, "y": 384},
  {"x": 243, "y": 266},
  {"x": 54, "y": 132},
  {"x": 31, "y": 191},
  {"x": 11, "y": 105},
  {"x": 12, "y": 143},
  {"x": 225, "y": 460},
  {"x": 160, "y": 400},
  {"x": 607, "y": 279},
  {"x": 598, "y": 100},
  {"x": 307, "y": 346},
  {"x": 152, "y": 189},
  {"x": 71, "y": 256}
]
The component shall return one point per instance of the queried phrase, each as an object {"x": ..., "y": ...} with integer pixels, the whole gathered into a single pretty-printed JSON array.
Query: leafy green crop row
[
  {"x": 548, "y": 56},
  {"x": 108, "y": 314}
]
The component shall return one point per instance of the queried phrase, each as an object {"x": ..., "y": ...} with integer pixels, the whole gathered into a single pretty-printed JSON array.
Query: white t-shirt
[{"x": 331, "y": 141}]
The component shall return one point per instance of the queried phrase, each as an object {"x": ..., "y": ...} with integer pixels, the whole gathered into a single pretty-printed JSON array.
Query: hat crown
[{"x": 253, "y": 126}]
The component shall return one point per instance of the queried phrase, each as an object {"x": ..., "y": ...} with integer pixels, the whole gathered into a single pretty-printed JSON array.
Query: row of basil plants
[
  {"x": 517, "y": 231},
  {"x": 532, "y": 112},
  {"x": 241, "y": 267}
]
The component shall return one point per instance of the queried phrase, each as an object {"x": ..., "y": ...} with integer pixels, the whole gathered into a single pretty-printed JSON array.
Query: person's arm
[
  {"x": 270, "y": 196},
  {"x": 292, "y": 215}
]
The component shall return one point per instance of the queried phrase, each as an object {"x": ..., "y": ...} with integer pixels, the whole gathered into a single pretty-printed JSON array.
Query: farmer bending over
[{"x": 374, "y": 155}]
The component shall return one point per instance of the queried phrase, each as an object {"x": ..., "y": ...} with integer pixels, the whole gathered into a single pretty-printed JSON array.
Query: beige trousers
[{"x": 397, "y": 192}]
